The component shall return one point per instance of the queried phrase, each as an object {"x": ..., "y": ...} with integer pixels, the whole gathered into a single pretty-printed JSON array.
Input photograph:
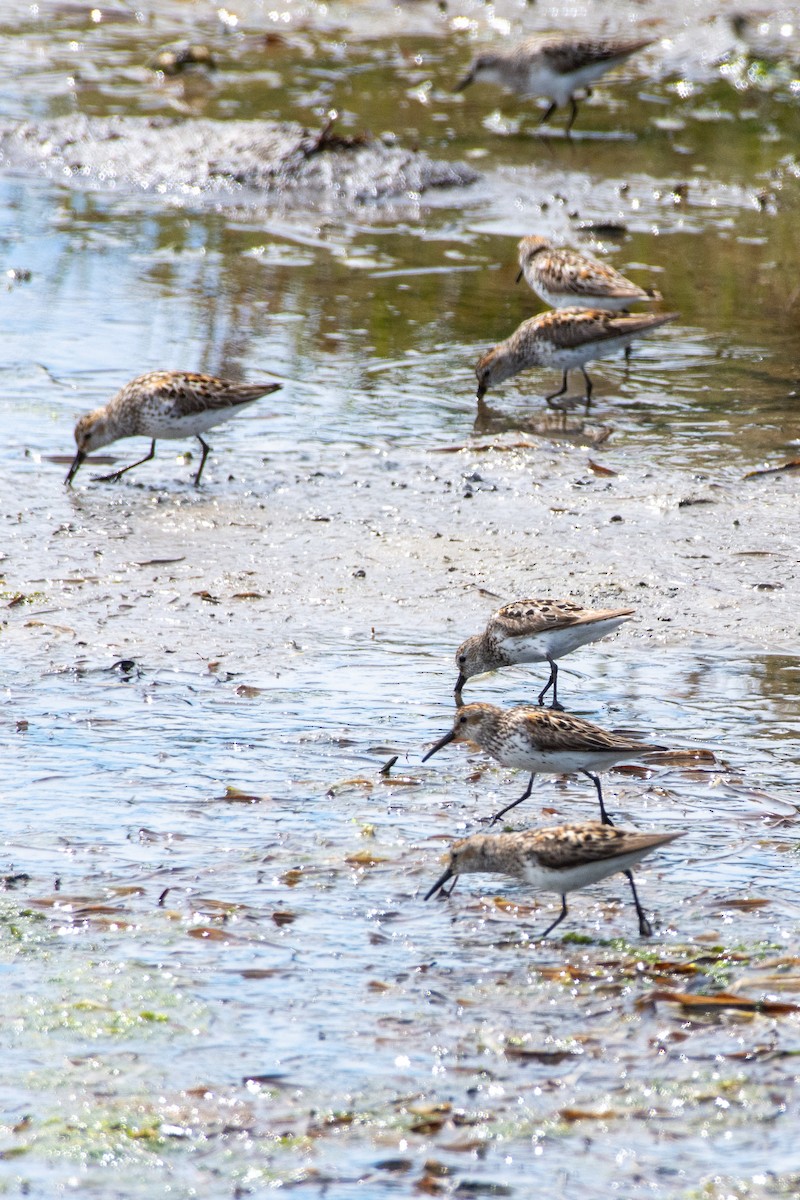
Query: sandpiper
[
  {"x": 534, "y": 631},
  {"x": 555, "y": 67},
  {"x": 562, "y": 859},
  {"x": 163, "y": 404},
  {"x": 538, "y": 739},
  {"x": 565, "y": 338},
  {"x": 566, "y": 279}
]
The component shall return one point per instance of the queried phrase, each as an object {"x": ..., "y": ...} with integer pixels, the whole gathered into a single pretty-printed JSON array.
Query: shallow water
[{"x": 220, "y": 977}]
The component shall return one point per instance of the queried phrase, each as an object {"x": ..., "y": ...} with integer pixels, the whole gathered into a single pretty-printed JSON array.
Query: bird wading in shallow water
[
  {"x": 163, "y": 404},
  {"x": 567, "y": 279},
  {"x": 554, "y": 67},
  {"x": 564, "y": 338},
  {"x": 561, "y": 860},
  {"x": 540, "y": 740},
  {"x": 534, "y": 631}
]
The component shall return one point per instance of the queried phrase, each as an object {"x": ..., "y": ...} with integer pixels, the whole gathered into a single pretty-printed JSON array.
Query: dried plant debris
[
  {"x": 792, "y": 465},
  {"x": 719, "y": 1001}
]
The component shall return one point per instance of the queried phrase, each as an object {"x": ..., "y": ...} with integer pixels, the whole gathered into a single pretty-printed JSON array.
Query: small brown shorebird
[
  {"x": 561, "y": 860},
  {"x": 567, "y": 279},
  {"x": 555, "y": 67},
  {"x": 564, "y": 338},
  {"x": 163, "y": 404},
  {"x": 534, "y": 631},
  {"x": 540, "y": 740}
]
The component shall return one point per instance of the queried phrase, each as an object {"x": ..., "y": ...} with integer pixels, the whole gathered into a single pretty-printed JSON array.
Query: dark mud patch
[{"x": 207, "y": 157}]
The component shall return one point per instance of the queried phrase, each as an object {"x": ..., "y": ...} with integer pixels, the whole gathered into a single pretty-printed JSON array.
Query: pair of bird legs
[
  {"x": 115, "y": 475},
  {"x": 645, "y": 928},
  {"x": 552, "y": 682},
  {"x": 588, "y": 396},
  {"x": 573, "y": 112}
]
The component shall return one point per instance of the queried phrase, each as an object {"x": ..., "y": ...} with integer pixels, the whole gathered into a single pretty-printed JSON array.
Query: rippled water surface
[{"x": 219, "y": 975}]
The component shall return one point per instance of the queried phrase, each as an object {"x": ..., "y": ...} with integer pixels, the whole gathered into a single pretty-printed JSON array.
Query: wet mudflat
[{"x": 220, "y": 977}]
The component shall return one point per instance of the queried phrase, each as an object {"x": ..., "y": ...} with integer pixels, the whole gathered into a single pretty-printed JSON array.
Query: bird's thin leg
[
  {"x": 115, "y": 475},
  {"x": 514, "y": 803},
  {"x": 561, "y": 390},
  {"x": 549, "y": 683},
  {"x": 551, "y": 108},
  {"x": 572, "y": 115},
  {"x": 554, "y": 676},
  {"x": 558, "y": 919},
  {"x": 645, "y": 928},
  {"x": 206, "y": 449},
  {"x": 552, "y": 682},
  {"x": 604, "y": 817},
  {"x": 627, "y": 361},
  {"x": 588, "y": 389}
]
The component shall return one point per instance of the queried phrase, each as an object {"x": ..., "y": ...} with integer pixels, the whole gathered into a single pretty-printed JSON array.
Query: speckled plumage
[
  {"x": 541, "y": 740},
  {"x": 567, "y": 279},
  {"x": 565, "y": 338},
  {"x": 534, "y": 631},
  {"x": 164, "y": 404},
  {"x": 562, "y": 859},
  {"x": 555, "y": 67}
]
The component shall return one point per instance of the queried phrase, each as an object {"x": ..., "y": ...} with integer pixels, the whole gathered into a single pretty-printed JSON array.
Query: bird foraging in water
[
  {"x": 564, "y": 338},
  {"x": 561, "y": 860},
  {"x": 567, "y": 279},
  {"x": 538, "y": 739},
  {"x": 163, "y": 404},
  {"x": 554, "y": 67},
  {"x": 534, "y": 631}
]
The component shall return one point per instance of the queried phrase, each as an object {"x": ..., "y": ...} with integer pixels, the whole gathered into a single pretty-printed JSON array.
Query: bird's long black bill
[
  {"x": 73, "y": 471},
  {"x": 519, "y": 276},
  {"x": 465, "y": 82},
  {"x": 462, "y": 679},
  {"x": 448, "y": 737},
  {"x": 437, "y": 887}
]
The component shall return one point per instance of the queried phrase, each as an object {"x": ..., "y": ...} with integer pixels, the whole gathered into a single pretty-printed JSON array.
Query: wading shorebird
[
  {"x": 163, "y": 404},
  {"x": 564, "y": 338},
  {"x": 567, "y": 279},
  {"x": 555, "y": 67},
  {"x": 540, "y": 740},
  {"x": 530, "y": 631},
  {"x": 561, "y": 860}
]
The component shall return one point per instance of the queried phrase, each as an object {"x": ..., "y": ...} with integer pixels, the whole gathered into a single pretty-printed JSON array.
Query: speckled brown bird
[
  {"x": 163, "y": 404},
  {"x": 534, "y": 631},
  {"x": 561, "y": 860},
  {"x": 538, "y": 739},
  {"x": 565, "y": 338},
  {"x": 566, "y": 279},
  {"x": 555, "y": 67}
]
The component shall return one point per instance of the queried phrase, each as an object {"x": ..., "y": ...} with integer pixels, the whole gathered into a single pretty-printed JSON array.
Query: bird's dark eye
[
  {"x": 462, "y": 721},
  {"x": 462, "y": 658}
]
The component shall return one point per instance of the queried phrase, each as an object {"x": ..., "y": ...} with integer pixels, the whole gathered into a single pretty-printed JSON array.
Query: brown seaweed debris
[{"x": 326, "y": 139}]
